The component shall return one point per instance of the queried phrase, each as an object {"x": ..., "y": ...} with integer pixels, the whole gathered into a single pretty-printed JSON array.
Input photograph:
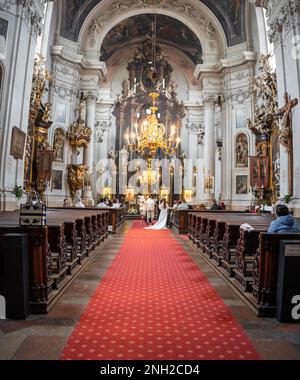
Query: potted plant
[
  {"x": 18, "y": 191},
  {"x": 288, "y": 198}
]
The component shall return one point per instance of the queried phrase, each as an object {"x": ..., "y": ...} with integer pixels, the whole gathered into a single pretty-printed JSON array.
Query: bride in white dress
[{"x": 163, "y": 217}]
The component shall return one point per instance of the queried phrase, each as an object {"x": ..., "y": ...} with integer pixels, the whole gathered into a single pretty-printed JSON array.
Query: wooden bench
[{"x": 57, "y": 250}]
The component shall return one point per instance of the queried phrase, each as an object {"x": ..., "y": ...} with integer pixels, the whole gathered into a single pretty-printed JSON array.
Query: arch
[
  {"x": 203, "y": 23},
  {"x": 241, "y": 150},
  {"x": 182, "y": 63}
]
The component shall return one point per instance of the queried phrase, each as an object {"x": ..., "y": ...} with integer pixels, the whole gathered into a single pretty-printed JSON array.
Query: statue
[
  {"x": 242, "y": 150},
  {"x": 125, "y": 89},
  {"x": 286, "y": 122},
  {"x": 58, "y": 145},
  {"x": 112, "y": 154},
  {"x": 124, "y": 155},
  {"x": 75, "y": 178}
]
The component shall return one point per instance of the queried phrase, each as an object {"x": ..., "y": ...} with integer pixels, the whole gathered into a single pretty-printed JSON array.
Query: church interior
[{"x": 149, "y": 180}]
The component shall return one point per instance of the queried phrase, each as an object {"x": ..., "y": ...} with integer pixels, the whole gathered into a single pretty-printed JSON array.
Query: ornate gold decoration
[
  {"x": 151, "y": 135},
  {"x": 265, "y": 90},
  {"x": 76, "y": 178},
  {"x": 36, "y": 172},
  {"x": 149, "y": 138},
  {"x": 265, "y": 127},
  {"x": 39, "y": 86},
  {"x": 79, "y": 135}
]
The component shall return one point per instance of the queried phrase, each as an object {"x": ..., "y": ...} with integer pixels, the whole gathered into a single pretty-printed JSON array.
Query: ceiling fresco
[
  {"x": 230, "y": 13},
  {"x": 169, "y": 31}
]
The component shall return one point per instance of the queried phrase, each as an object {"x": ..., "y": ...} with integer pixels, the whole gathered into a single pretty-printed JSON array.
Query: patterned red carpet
[{"x": 154, "y": 303}]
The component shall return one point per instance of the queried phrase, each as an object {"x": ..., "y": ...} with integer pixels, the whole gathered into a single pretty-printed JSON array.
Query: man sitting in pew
[
  {"x": 285, "y": 222},
  {"x": 215, "y": 206},
  {"x": 101, "y": 204},
  {"x": 183, "y": 205}
]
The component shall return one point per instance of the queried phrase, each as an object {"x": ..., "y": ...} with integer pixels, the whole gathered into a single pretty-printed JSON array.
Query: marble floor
[{"x": 44, "y": 336}]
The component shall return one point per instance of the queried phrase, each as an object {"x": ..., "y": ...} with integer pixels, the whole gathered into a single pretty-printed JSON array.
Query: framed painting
[
  {"x": 57, "y": 176},
  {"x": 18, "y": 139},
  {"x": 241, "y": 184},
  {"x": 60, "y": 113}
]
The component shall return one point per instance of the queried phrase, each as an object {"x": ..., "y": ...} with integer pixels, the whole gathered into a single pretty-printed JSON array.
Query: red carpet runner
[{"x": 155, "y": 303}]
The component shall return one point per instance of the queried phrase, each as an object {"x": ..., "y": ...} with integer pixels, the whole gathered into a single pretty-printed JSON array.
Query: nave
[{"x": 148, "y": 295}]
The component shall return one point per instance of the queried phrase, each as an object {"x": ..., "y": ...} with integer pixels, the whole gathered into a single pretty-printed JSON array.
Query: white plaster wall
[{"x": 18, "y": 70}]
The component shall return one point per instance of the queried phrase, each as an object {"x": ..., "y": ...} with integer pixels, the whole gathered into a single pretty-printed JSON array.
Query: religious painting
[
  {"x": 242, "y": 150},
  {"x": 58, "y": 144},
  {"x": 17, "y": 145},
  {"x": 169, "y": 31},
  {"x": 241, "y": 184},
  {"x": 259, "y": 172},
  {"x": 57, "y": 176},
  {"x": 241, "y": 118},
  {"x": 3, "y": 36},
  {"x": 45, "y": 160},
  {"x": 209, "y": 183},
  {"x": 60, "y": 113}
]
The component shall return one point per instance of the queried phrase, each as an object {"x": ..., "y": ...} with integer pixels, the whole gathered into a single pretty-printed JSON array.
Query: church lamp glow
[
  {"x": 188, "y": 195},
  {"x": 107, "y": 192},
  {"x": 150, "y": 135}
]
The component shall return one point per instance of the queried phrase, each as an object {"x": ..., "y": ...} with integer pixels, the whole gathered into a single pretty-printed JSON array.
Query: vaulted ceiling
[
  {"x": 230, "y": 13},
  {"x": 170, "y": 32}
]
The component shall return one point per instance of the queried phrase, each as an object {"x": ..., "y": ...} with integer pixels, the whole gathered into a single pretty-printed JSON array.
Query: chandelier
[{"x": 150, "y": 136}]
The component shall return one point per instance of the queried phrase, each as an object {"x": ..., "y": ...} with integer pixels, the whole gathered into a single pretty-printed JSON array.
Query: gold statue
[{"x": 76, "y": 178}]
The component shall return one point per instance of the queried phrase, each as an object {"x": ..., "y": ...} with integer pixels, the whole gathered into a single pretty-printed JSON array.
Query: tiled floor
[{"x": 44, "y": 336}]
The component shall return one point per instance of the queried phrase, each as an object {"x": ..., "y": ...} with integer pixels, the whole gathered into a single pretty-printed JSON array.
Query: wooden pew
[
  {"x": 56, "y": 249},
  {"x": 230, "y": 240},
  {"x": 40, "y": 262},
  {"x": 247, "y": 246},
  {"x": 116, "y": 216},
  {"x": 265, "y": 272},
  {"x": 249, "y": 259}
]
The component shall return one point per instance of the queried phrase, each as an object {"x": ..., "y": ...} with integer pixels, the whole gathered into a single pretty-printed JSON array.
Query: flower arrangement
[
  {"x": 132, "y": 211},
  {"x": 18, "y": 191},
  {"x": 288, "y": 198}
]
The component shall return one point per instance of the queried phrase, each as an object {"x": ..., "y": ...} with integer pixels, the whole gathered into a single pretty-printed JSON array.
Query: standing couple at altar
[{"x": 163, "y": 215}]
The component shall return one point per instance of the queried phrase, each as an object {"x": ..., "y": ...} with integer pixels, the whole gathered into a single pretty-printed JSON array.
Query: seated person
[
  {"x": 215, "y": 206},
  {"x": 285, "y": 222},
  {"x": 101, "y": 203},
  {"x": 116, "y": 203},
  {"x": 222, "y": 205},
  {"x": 109, "y": 203},
  {"x": 78, "y": 202},
  {"x": 183, "y": 205},
  {"x": 201, "y": 206},
  {"x": 175, "y": 206}
]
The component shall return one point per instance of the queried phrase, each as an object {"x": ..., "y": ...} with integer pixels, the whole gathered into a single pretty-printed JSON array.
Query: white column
[
  {"x": 46, "y": 31},
  {"x": 88, "y": 156},
  {"x": 209, "y": 143}
]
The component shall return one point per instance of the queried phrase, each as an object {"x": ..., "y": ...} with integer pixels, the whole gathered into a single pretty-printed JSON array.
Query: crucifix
[{"x": 286, "y": 134}]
